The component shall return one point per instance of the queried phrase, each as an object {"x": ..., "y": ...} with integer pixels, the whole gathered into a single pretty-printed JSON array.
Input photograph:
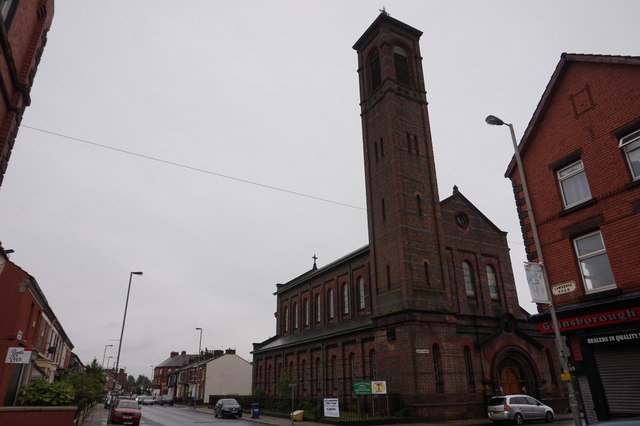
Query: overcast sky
[{"x": 158, "y": 129}]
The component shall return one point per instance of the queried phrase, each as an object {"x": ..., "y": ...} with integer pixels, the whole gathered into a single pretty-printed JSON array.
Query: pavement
[{"x": 98, "y": 416}]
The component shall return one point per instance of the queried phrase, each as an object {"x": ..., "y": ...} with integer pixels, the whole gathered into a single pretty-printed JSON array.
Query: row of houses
[
  {"x": 32, "y": 340},
  {"x": 199, "y": 376}
]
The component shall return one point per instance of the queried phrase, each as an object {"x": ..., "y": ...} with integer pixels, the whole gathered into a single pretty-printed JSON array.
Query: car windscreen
[
  {"x": 128, "y": 404},
  {"x": 229, "y": 402}
]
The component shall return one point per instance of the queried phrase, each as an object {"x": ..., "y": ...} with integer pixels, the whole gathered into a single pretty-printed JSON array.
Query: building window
[
  {"x": 361, "y": 299},
  {"x": 469, "y": 364},
  {"x": 630, "y": 145},
  {"x": 573, "y": 184},
  {"x": 437, "y": 369},
  {"x": 286, "y": 320},
  {"x": 594, "y": 262},
  {"x": 469, "y": 285},
  {"x": 345, "y": 298},
  {"x": 318, "y": 308},
  {"x": 491, "y": 282},
  {"x": 372, "y": 364},
  {"x": 374, "y": 72},
  {"x": 330, "y": 302},
  {"x": 401, "y": 65},
  {"x": 306, "y": 312},
  {"x": 296, "y": 317}
]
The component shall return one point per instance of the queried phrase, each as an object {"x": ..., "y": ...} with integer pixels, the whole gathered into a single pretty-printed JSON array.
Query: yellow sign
[{"x": 566, "y": 377}]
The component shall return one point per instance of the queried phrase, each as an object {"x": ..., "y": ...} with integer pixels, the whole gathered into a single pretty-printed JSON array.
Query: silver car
[{"x": 518, "y": 409}]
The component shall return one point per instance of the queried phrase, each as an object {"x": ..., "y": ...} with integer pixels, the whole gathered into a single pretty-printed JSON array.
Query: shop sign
[
  {"x": 615, "y": 338},
  {"x": 593, "y": 320},
  {"x": 563, "y": 288}
]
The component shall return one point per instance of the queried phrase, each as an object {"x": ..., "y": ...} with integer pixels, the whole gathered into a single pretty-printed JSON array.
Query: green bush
[{"x": 43, "y": 393}]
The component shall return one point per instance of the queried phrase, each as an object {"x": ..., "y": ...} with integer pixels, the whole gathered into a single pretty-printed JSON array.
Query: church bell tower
[{"x": 403, "y": 207}]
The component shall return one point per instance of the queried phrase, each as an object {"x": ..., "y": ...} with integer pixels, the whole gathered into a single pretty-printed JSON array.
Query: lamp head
[
  {"x": 198, "y": 328},
  {"x": 493, "y": 120},
  {"x": 136, "y": 273}
]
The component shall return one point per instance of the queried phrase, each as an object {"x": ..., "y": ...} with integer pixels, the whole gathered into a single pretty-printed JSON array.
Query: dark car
[
  {"x": 228, "y": 407},
  {"x": 126, "y": 411},
  {"x": 165, "y": 400}
]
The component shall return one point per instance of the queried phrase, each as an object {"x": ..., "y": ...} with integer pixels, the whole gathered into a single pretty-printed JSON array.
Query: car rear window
[{"x": 497, "y": 400}]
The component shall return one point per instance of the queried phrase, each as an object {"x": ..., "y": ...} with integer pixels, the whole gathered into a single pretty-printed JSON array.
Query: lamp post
[
  {"x": 104, "y": 353},
  {"x": 200, "y": 344},
  {"x": 573, "y": 405},
  {"x": 122, "y": 331}
]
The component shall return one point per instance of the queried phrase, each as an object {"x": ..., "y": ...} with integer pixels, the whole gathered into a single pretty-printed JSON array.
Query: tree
[
  {"x": 131, "y": 384},
  {"x": 142, "y": 383}
]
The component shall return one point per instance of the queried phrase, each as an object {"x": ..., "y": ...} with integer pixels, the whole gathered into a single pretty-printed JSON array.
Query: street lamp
[
  {"x": 573, "y": 405},
  {"x": 200, "y": 344},
  {"x": 104, "y": 353},
  {"x": 122, "y": 331}
]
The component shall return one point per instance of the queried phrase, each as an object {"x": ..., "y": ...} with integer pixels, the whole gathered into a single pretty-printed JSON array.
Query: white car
[{"x": 518, "y": 409}]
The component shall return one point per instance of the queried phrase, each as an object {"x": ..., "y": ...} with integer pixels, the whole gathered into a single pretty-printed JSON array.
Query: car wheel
[
  {"x": 518, "y": 419},
  {"x": 548, "y": 417}
]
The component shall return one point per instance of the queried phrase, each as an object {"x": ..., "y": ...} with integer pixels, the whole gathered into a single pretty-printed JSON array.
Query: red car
[{"x": 126, "y": 411}]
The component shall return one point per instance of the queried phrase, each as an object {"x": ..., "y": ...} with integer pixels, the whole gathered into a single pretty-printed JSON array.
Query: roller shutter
[{"x": 619, "y": 368}]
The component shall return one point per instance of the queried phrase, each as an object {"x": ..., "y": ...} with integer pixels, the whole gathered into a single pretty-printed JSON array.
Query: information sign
[{"x": 331, "y": 407}]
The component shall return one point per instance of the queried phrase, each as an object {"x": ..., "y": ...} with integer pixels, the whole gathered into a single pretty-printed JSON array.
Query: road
[{"x": 156, "y": 415}]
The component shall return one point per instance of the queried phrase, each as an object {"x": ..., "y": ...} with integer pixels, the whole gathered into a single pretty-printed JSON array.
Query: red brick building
[
  {"x": 581, "y": 158},
  {"x": 430, "y": 304},
  {"x": 23, "y": 34},
  {"x": 27, "y": 325}
]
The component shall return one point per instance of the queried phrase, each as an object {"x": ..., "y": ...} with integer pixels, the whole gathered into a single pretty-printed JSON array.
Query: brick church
[{"x": 429, "y": 305}]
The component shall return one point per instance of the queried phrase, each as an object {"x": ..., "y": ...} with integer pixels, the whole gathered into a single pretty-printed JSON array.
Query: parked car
[
  {"x": 518, "y": 409},
  {"x": 147, "y": 400},
  {"x": 126, "y": 411},
  {"x": 165, "y": 400},
  {"x": 228, "y": 407}
]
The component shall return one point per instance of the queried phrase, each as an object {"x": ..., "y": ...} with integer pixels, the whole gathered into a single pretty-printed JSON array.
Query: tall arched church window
[
  {"x": 375, "y": 76},
  {"x": 318, "y": 307},
  {"x": 361, "y": 298},
  {"x": 330, "y": 302},
  {"x": 491, "y": 282},
  {"x": 345, "y": 298},
  {"x": 467, "y": 273},
  {"x": 401, "y": 64},
  {"x": 296, "y": 317},
  {"x": 286, "y": 320}
]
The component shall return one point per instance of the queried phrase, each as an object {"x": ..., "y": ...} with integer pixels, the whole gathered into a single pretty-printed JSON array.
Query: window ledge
[
  {"x": 578, "y": 207},
  {"x": 632, "y": 184},
  {"x": 595, "y": 294}
]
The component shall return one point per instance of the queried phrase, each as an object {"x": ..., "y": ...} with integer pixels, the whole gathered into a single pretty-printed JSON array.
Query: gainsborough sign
[{"x": 593, "y": 320}]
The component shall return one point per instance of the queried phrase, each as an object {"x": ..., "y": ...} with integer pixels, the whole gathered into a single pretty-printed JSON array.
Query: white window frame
[
  {"x": 565, "y": 174},
  {"x": 345, "y": 299},
  {"x": 583, "y": 262},
  {"x": 630, "y": 145}
]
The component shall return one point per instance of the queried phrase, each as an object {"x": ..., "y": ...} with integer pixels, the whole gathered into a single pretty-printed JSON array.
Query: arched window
[
  {"x": 318, "y": 308},
  {"x": 372, "y": 364},
  {"x": 286, "y": 319},
  {"x": 375, "y": 76},
  {"x": 330, "y": 302},
  {"x": 361, "y": 299},
  {"x": 467, "y": 273},
  {"x": 437, "y": 369},
  {"x": 318, "y": 375},
  {"x": 296, "y": 317},
  {"x": 401, "y": 65},
  {"x": 491, "y": 282},
  {"x": 306, "y": 312},
  {"x": 345, "y": 298},
  {"x": 469, "y": 364},
  {"x": 334, "y": 373}
]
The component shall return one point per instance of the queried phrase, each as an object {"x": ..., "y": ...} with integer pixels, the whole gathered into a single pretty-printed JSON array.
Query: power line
[{"x": 184, "y": 166}]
